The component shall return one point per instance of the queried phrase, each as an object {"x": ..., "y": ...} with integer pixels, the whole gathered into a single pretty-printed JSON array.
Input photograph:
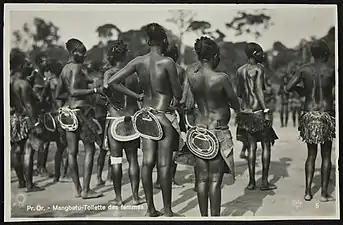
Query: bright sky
[{"x": 291, "y": 22}]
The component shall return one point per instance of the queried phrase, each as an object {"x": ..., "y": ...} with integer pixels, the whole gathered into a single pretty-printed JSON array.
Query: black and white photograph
[{"x": 190, "y": 111}]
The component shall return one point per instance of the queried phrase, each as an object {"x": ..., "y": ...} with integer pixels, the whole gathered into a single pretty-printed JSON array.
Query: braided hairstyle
[
  {"x": 320, "y": 50},
  {"x": 157, "y": 36},
  {"x": 207, "y": 50},
  {"x": 117, "y": 51},
  {"x": 255, "y": 51},
  {"x": 77, "y": 49}
]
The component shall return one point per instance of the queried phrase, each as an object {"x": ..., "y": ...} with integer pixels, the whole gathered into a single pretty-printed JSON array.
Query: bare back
[
  {"x": 73, "y": 75},
  {"x": 318, "y": 80},
  {"x": 154, "y": 78},
  {"x": 250, "y": 85},
  {"x": 208, "y": 89}
]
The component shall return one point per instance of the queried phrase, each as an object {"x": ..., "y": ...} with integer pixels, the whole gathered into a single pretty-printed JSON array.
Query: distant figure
[
  {"x": 317, "y": 124},
  {"x": 296, "y": 107},
  {"x": 284, "y": 111}
]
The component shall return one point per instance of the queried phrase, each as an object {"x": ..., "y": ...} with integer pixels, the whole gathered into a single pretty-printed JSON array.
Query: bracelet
[
  {"x": 95, "y": 90},
  {"x": 266, "y": 110}
]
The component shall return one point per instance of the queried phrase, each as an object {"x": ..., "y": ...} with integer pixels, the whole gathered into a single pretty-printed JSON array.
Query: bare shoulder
[
  {"x": 241, "y": 69},
  {"x": 168, "y": 61}
]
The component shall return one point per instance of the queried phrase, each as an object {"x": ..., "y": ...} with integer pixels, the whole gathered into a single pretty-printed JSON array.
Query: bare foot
[
  {"x": 154, "y": 213},
  {"x": 65, "y": 179},
  {"x": 91, "y": 194},
  {"x": 251, "y": 186},
  {"x": 100, "y": 183},
  {"x": 138, "y": 201},
  {"x": 22, "y": 185},
  {"x": 308, "y": 197},
  {"x": 268, "y": 187},
  {"x": 169, "y": 213},
  {"x": 45, "y": 173},
  {"x": 326, "y": 198},
  {"x": 116, "y": 202},
  {"x": 34, "y": 188},
  {"x": 177, "y": 185}
]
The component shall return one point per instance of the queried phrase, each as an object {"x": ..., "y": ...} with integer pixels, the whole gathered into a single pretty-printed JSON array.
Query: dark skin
[
  {"x": 284, "y": 111},
  {"x": 130, "y": 106},
  {"x": 25, "y": 100},
  {"x": 318, "y": 80},
  {"x": 270, "y": 98},
  {"x": 251, "y": 93},
  {"x": 181, "y": 76},
  {"x": 295, "y": 108},
  {"x": 212, "y": 91},
  {"x": 75, "y": 81},
  {"x": 158, "y": 79},
  {"x": 100, "y": 113},
  {"x": 40, "y": 87}
]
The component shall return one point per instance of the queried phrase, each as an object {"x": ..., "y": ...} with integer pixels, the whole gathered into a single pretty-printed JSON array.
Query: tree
[
  {"x": 182, "y": 19},
  {"x": 105, "y": 32},
  {"x": 244, "y": 22}
]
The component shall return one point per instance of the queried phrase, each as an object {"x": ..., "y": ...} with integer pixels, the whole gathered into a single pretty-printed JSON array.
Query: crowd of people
[{"x": 173, "y": 115}]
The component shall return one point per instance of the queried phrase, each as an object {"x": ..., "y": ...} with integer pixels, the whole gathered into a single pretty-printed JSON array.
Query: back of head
[
  {"x": 156, "y": 34},
  {"x": 255, "y": 51},
  {"x": 172, "y": 52},
  {"x": 17, "y": 59},
  {"x": 206, "y": 48},
  {"x": 320, "y": 50},
  {"x": 73, "y": 44},
  {"x": 117, "y": 51}
]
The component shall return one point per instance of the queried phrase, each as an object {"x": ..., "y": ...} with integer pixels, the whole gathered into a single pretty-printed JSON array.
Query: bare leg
[
  {"x": 326, "y": 150},
  {"x": 202, "y": 181},
  {"x": 117, "y": 172},
  {"x": 286, "y": 115},
  {"x": 294, "y": 116},
  {"x": 109, "y": 171},
  {"x": 87, "y": 193},
  {"x": 216, "y": 173},
  {"x": 149, "y": 148},
  {"x": 58, "y": 160},
  {"x": 252, "y": 162},
  {"x": 195, "y": 181},
  {"x": 131, "y": 155},
  {"x": 266, "y": 152},
  {"x": 100, "y": 167},
  {"x": 281, "y": 115},
  {"x": 309, "y": 170},
  {"x": 244, "y": 150},
  {"x": 28, "y": 168},
  {"x": 164, "y": 164},
  {"x": 73, "y": 150},
  {"x": 17, "y": 154}
]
